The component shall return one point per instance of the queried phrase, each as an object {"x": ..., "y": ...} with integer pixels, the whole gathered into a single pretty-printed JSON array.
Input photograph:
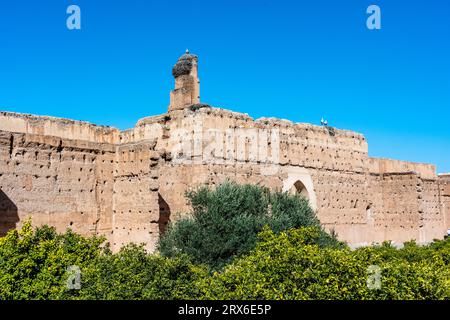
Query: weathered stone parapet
[
  {"x": 57, "y": 127},
  {"x": 381, "y": 166}
]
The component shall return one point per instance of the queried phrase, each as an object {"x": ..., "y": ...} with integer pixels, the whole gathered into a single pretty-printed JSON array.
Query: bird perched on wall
[{"x": 324, "y": 122}]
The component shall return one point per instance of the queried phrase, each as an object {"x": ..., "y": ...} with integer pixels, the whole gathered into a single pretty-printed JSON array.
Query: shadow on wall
[
  {"x": 8, "y": 214},
  {"x": 164, "y": 215}
]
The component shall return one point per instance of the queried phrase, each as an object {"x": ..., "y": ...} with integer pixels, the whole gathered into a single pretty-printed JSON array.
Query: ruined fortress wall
[
  {"x": 57, "y": 127},
  {"x": 405, "y": 206},
  {"x": 408, "y": 202},
  {"x": 394, "y": 210},
  {"x": 91, "y": 186},
  {"x": 331, "y": 163},
  {"x": 363, "y": 199},
  {"x": 342, "y": 199},
  {"x": 432, "y": 223},
  {"x": 136, "y": 216},
  {"x": 444, "y": 181},
  {"x": 55, "y": 181},
  {"x": 127, "y": 185},
  {"x": 381, "y": 166}
]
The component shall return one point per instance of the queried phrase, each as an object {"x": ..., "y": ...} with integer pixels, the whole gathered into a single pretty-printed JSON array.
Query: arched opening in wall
[
  {"x": 8, "y": 214},
  {"x": 164, "y": 215},
  {"x": 300, "y": 189}
]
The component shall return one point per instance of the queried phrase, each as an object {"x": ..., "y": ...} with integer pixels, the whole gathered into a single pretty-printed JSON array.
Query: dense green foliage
[
  {"x": 288, "y": 265},
  {"x": 226, "y": 221},
  {"x": 134, "y": 274},
  {"x": 33, "y": 263},
  {"x": 290, "y": 258},
  {"x": 292, "y": 266}
]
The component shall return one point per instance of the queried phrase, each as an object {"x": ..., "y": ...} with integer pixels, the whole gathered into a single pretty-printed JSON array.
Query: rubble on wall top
[
  {"x": 272, "y": 120},
  {"x": 229, "y": 113},
  {"x": 264, "y": 121},
  {"x": 198, "y": 106},
  {"x": 152, "y": 119},
  {"x": 331, "y": 130},
  {"x": 202, "y": 108}
]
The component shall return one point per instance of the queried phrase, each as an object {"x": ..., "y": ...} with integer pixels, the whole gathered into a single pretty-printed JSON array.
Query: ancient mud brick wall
[
  {"x": 334, "y": 160},
  {"x": 55, "y": 181},
  {"x": 128, "y": 185},
  {"x": 57, "y": 127},
  {"x": 136, "y": 216},
  {"x": 432, "y": 215},
  {"x": 405, "y": 206},
  {"x": 380, "y": 166},
  {"x": 93, "y": 186},
  {"x": 342, "y": 200},
  {"x": 363, "y": 199},
  {"x": 444, "y": 181},
  {"x": 404, "y": 201},
  {"x": 394, "y": 209}
]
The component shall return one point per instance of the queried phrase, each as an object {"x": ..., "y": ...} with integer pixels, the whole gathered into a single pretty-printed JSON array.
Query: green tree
[{"x": 225, "y": 222}]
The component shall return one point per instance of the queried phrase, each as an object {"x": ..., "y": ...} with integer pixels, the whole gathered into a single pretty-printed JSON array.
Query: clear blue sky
[{"x": 298, "y": 60}]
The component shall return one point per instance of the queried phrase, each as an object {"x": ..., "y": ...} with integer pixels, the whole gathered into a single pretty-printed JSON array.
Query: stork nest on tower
[{"x": 183, "y": 67}]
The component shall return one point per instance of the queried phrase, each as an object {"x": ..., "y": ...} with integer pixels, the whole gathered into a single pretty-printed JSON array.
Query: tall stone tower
[{"x": 187, "y": 84}]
